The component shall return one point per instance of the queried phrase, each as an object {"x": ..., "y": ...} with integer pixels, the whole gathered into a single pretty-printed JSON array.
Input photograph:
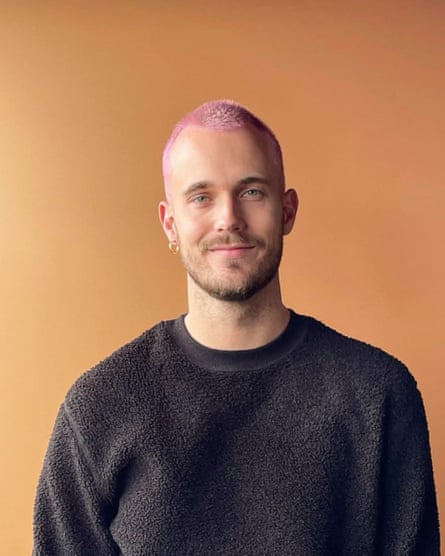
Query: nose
[{"x": 229, "y": 216}]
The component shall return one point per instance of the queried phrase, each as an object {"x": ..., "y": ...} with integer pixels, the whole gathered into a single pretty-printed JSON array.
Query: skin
[{"x": 228, "y": 211}]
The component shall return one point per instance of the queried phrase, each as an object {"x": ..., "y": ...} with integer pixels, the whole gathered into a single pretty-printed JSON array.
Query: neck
[{"x": 229, "y": 325}]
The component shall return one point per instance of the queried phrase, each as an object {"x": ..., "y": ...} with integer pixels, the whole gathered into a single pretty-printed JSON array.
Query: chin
[{"x": 237, "y": 292}]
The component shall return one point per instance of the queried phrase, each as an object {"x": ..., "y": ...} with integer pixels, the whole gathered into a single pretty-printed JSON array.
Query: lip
[
  {"x": 231, "y": 250},
  {"x": 230, "y": 247}
]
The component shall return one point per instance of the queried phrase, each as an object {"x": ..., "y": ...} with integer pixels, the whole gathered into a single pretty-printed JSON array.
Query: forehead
[{"x": 209, "y": 155}]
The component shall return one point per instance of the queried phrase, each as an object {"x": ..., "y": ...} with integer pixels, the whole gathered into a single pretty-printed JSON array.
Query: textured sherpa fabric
[{"x": 313, "y": 445}]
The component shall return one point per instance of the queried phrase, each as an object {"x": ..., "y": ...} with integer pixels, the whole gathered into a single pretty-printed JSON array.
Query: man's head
[
  {"x": 221, "y": 115},
  {"x": 226, "y": 206}
]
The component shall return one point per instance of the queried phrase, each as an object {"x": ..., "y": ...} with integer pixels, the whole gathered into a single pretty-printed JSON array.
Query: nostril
[{"x": 228, "y": 225}]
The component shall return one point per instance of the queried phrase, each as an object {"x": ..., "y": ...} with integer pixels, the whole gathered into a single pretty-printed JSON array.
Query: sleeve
[
  {"x": 409, "y": 522},
  {"x": 69, "y": 515}
]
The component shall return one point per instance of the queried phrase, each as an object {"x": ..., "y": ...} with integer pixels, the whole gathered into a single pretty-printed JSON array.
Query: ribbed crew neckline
[{"x": 239, "y": 360}]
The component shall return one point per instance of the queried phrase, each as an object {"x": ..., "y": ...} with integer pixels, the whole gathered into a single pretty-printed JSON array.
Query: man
[{"x": 241, "y": 428}]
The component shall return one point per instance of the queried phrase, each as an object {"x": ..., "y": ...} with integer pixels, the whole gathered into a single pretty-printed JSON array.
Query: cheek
[
  {"x": 189, "y": 230},
  {"x": 271, "y": 222}
]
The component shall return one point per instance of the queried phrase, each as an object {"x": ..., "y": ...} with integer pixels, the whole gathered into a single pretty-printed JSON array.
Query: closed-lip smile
[
  {"x": 231, "y": 250},
  {"x": 230, "y": 247}
]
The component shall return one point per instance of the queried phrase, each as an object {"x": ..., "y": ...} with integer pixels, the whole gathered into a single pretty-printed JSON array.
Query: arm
[
  {"x": 70, "y": 517},
  {"x": 409, "y": 520}
]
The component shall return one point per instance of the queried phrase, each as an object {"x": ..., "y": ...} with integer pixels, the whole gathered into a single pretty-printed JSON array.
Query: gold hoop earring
[{"x": 174, "y": 247}]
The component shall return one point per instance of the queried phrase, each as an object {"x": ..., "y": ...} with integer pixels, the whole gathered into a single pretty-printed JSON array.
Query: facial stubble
[{"x": 259, "y": 276}]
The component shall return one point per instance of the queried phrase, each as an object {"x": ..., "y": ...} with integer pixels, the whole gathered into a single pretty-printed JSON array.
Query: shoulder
[
  {"x": 348, "y": 374},
  {"x": 357, "y": 363},
  {"x": 122, "y": 379}
]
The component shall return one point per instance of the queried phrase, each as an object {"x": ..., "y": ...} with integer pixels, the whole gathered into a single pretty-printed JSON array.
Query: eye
[
  {"x": 253, "y": 194},
  {"x": 200, "y": 199}
]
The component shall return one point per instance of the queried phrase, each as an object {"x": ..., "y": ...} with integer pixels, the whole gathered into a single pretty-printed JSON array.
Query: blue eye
[
  {"x": 253, "y": 193},
  {"x": 200, "y": 199}
]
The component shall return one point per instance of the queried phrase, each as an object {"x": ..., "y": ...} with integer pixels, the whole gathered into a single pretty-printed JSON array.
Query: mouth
[
  {"x": 233, "y": 250},
  {"x": 230, "y": 247}
]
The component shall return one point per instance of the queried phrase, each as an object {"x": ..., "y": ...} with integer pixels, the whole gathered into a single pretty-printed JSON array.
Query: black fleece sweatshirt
[{"x": 313, "y": 445}]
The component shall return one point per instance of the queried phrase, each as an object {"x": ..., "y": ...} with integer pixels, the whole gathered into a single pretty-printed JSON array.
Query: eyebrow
[
  {"x": 200, "y": 185},
  {"x": 253, "y": 179},
  {"x": 197, "y": 186}
]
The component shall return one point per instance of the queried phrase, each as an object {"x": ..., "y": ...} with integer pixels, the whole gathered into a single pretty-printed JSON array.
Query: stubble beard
[{"x": 239, "y": 288}]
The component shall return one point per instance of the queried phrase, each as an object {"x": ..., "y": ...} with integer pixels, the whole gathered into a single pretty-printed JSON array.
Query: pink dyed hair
[{"x": 220, "y": 115}]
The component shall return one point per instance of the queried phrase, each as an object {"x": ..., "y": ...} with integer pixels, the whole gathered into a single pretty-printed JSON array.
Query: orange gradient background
[{"x": 89, "y": 93}]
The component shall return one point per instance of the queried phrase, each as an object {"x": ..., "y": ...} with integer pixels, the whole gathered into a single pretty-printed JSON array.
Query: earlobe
[{"x": 290, "y": 207}]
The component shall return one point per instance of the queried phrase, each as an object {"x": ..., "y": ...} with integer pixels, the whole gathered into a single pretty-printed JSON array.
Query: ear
[
  {"x": 167, "y": 220},
  {"x": 290, "y": 207}
]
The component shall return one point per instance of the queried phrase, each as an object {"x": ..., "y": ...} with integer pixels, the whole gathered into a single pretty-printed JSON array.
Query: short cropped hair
[{"x": 221, "y": 115}]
